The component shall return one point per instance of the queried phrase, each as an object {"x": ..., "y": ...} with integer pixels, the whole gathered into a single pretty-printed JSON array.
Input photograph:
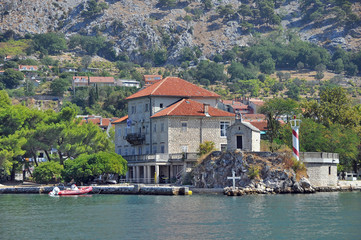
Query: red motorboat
[
  {"x": 69, "y": 192},
  {"x": 79, "y": 191}
]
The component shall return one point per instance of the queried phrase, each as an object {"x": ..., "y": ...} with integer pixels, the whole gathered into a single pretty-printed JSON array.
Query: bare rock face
[
  {"x": 259, "y": 173},
  {"x": 141, "y": 25}
]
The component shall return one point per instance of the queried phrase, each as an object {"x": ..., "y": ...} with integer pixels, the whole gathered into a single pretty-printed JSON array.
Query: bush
[
  {"x": 48, "y": 172},
  {"x": 206, "y": 147},
  {"x": 253, "y": 172},
  {"x": 86, "y": 167}
]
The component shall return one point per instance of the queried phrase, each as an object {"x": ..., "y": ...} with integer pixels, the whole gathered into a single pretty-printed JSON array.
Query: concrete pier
[{"x": 129, "y": 189}]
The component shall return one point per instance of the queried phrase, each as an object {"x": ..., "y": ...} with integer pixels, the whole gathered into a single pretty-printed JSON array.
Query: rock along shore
[{"x": 131, "y": 189}]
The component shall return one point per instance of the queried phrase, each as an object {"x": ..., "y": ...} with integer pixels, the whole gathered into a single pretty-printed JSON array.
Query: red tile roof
[
  {"x": 187, "y": 107},
  {"x": 251, "y": 116},
  {"x": 28, "y": 68},
  {"x": 174, "y": 86},
  {"x": 261, "y": 125},
  {"x": 101, "y": 80},
  {"x": 121, "y": 119}
]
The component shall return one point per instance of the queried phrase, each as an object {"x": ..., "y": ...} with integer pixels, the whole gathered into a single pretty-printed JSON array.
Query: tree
[
  {"x": 86, "y": 168},
  {"x": 59, "y": 86},
  {"x": 11, "y": 78},
  {"x": 48, "y": 172},
  {"x": 334, "y": 107},
  {"x": 86, "y": 61},
  {"x": 268, "y": 66},
  {"x": 274, "y": 109},
  {"x": 93, "y": 8},
  {"x": 207, "y": 4},
  {"x": 226, "y": 11},
  {"x": 167, "y": 3},
  {"x": 49, "y": 43}
]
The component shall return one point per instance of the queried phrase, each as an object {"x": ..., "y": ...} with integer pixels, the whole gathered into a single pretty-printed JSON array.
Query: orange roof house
[
  {"x": 166, "y": 122},
  {"x": 151, "y": 79},
  {"x": 29, "y": 68},
  {"x": 101, "y": 81}
]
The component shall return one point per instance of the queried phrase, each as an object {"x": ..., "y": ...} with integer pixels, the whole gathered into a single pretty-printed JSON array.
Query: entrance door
[{"x": 239, "y": 142}]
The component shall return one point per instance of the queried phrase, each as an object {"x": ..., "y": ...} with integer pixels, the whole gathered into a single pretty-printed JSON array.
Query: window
[
  {"x": 126, "y": 152},
  {"x": 133, "y": 109},
  {"x": 146, "y": 108},
  {"x": 155, "y": 128},
  {"x": 120, "y": 151},
  {"x": 140, "y": 151},
  {"x": 184, "y": 126},
  {"x": 184, "y": 149},
  {"x": 162, "y": 149},
  {"x": 119, "y": 132},
  {"x": 161, "y": 105},
  {"x": 147, "y": 150},
  {"x": 162, "y": 127},
  {"x": 223, "y": 147},
  {"x": 224, "y": 126},
  {"x": 154, "y": 149},
  {"x": 329, "y": 170}
]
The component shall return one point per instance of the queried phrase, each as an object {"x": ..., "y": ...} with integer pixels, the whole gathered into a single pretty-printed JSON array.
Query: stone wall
[
  {"x": 198, "y": 130},
  {"x": 322, "y": 175},
  {"x": 321, "y": 168}
]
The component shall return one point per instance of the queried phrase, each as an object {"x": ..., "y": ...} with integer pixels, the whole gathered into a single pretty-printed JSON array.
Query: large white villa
[{"x": 166, "y": 122}]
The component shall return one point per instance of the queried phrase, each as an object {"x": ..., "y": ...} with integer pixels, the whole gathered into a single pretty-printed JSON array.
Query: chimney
[{"x": 206, "y": 108}]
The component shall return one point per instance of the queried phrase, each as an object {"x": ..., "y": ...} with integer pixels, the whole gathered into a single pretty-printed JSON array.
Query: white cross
[{"x": 233, "y": 178}]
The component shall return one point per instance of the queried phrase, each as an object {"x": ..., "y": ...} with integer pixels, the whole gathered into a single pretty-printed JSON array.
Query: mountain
[{"x": 213, "y": 26}]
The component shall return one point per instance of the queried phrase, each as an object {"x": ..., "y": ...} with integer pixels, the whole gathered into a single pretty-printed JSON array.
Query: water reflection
[{"x": 316, "y": 216}]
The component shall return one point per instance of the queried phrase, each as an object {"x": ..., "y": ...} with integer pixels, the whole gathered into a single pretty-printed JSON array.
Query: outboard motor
[{"x": 55, "y": 191}]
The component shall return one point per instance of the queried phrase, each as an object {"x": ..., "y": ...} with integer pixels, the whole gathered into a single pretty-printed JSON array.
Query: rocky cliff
[
  {"x": 262, "y": 172},
  {"x": 139, "y": 25}
]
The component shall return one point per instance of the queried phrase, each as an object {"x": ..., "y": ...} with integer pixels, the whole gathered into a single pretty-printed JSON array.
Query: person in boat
[{"x": 74, "y": 187}]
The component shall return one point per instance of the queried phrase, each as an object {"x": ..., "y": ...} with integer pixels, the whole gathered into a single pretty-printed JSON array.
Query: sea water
[{"x": 292, "y": 216}]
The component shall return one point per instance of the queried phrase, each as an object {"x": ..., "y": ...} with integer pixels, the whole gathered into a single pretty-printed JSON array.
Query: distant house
[
  {"x": 254, "y": 103},
  {"x": 151, "y": 79},
  {"x": 28, "y": 68},
  {"x": 80, "y": 81},
  {"x": 101, "y": 81},
  {"x": 234, "y": 106},
  {"x": 104, "y": 123},
  {"x": 69, "y": 69},
  {"x": 127, "y": 83}
]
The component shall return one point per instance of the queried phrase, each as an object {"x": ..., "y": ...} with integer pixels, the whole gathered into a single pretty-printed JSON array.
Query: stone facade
[
  {"x": 321, "y": 168},
  {"x": 244, "y": 136},
  {"x": 166, "y": 145}
]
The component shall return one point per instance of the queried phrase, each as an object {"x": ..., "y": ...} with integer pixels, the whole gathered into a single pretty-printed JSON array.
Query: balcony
[
  {"x": 163, "y": 157},
  {"x": 135, "y": 138}
]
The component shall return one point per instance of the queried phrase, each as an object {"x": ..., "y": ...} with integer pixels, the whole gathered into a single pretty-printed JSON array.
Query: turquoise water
[{"x": 316, "y": 216}]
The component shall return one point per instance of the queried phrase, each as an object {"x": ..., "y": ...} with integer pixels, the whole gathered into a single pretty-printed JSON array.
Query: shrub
[
  {"x": 206, "y": 147},
  {"x": 48, "y": 172},
  {"x": 253, "y": 172}
]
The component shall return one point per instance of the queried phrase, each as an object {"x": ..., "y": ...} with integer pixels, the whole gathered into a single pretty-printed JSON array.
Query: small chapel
[{"x": 243, "y": 136}]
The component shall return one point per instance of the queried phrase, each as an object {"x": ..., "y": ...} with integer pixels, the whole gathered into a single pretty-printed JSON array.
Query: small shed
[{"x": 244, "y": 136}]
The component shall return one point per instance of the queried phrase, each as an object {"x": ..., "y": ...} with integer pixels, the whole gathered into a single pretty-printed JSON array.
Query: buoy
[{"x": 190, "y": 192}]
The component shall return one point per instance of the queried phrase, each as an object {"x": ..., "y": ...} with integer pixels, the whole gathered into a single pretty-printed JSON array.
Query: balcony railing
[
  {"x": 135, "y": 138},
  {"x": 162, "y": 157}
]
